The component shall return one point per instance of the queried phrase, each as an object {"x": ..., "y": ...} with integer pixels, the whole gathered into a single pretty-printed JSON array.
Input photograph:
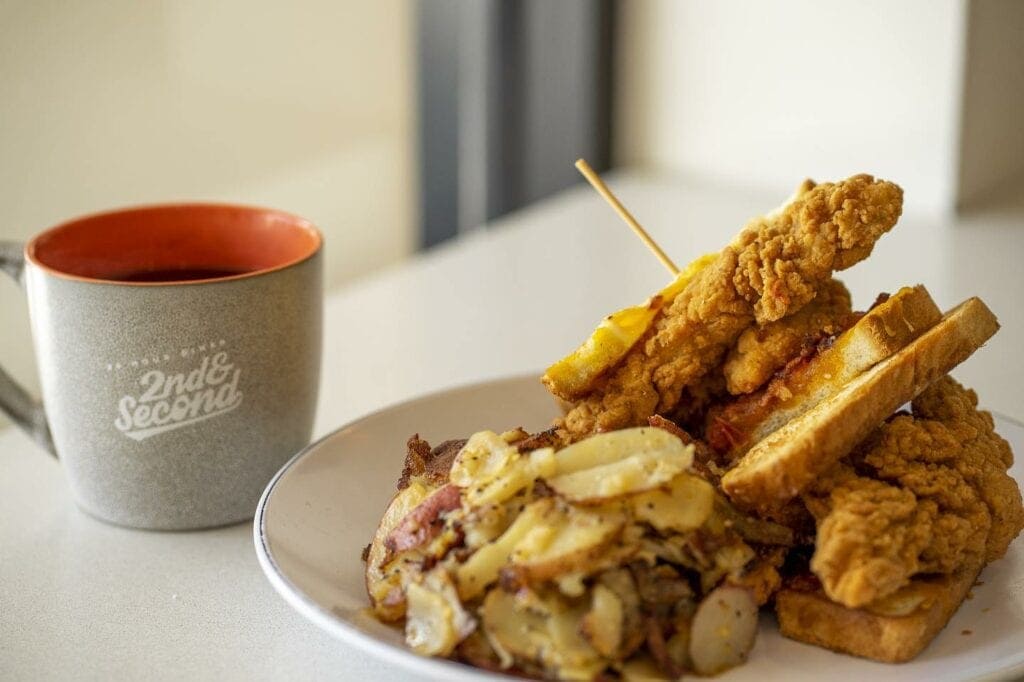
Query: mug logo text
[{"x": 171, "y": 401}]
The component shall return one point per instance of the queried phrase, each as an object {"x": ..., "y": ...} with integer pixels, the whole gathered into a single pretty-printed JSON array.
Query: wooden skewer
[{"x": 595, "y": 180}]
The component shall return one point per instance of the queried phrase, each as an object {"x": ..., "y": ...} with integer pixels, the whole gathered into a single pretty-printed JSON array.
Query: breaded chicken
[
  {"x": 926, "y": 493},
  {"x": 826, "y": 364},
  {"x": 772, "y": 269},
  {"x": 763, "y": 350}
]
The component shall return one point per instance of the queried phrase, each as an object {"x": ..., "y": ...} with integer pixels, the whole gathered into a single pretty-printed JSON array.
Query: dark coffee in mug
[{"x": 177, "y": 274}]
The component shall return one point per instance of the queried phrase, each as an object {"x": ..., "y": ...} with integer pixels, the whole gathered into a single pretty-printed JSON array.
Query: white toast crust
[{"x": 780, "y": 466}]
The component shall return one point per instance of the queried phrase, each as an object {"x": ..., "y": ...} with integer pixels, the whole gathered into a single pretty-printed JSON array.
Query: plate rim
[
  {"x": 393, "y": 654},
  {"x": 298, "y": 600}
]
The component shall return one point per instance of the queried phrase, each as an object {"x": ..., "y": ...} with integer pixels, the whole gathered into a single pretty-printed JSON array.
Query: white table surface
[{"x": 84, "y": 600}]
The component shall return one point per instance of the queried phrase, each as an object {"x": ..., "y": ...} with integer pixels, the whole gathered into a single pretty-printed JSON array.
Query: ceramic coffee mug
[{"x": 179, "y": 353}]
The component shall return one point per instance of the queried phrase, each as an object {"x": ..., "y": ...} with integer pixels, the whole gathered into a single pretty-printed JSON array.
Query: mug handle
[{"x": 26, "y": 411}]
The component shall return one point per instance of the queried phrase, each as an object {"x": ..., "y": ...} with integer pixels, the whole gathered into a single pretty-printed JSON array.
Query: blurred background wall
[
  {"x": 396, "y": 124},
  {"x": 766, "y": 93},
  {"x": 304, "y": 106},
  {"x": 991, "y": 163},
  {"x": 760, "y": 94}
]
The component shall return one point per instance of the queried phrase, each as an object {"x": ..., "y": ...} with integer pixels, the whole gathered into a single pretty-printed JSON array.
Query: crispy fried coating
[
  {"x": 926, "y": 493},
  {"x": 431, "y": 463},
  {"x": 771, "y": 270},
  {"x": 763, "y": 350}
]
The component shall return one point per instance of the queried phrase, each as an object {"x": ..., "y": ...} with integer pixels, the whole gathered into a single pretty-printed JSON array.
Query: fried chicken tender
[
  {"x": 763, "y": 350},
  {"x": 926, "y": 493},
  {"x": 772, "y": 269}
]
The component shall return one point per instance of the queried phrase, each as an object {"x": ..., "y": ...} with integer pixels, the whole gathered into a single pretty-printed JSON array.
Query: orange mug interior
[{"x": 233, "y": 241}]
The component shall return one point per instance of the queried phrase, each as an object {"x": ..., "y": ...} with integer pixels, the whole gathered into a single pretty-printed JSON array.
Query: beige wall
[
  {"x": 992, "y": 122},
  {"x": 302, "y": 106},
  {"x": 766, "y": 93}
]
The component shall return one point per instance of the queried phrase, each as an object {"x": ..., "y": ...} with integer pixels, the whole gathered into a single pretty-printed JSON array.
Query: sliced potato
[
  {"x": 484, "y": 456},
  {"x": 548, "y": 539},
  {"x": 605, "y": 448},
  {"x": 682, "y": 505},
  {"x": 520, "y": 472},
  {"x": 630, "y": 475},
  {"x": 484, "y": 524},
  {"x": 622, "y": 549},
  {"x": 435, "y": 620},
  {"x": 620, "y": 581},
  {"x": 542, "y": 630},
  {"x": 723, "y": 630},
  {"x": 602, "y": 625},
  {"x": 428, "y": 627},
  {"x": 566, "y": 540},
  {"x": 384, "y": 587},
  {"x": 483, "y": 566},
  {"x": 618, "y": 463},
  {"x": 572, "y": 584}
]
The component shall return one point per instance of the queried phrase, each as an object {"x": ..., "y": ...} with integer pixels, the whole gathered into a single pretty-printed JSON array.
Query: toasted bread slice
[
  {"x": 813, "y": 618},
  {"x": 882, "y": 331},
  {"x": 780, "y": 466}
]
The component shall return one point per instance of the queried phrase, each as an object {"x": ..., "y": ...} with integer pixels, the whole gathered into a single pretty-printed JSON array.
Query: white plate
[{"x": 321, "y": 509}]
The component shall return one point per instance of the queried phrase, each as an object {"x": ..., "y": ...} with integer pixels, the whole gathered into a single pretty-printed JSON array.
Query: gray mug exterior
[{"x": 172, "y": 405}]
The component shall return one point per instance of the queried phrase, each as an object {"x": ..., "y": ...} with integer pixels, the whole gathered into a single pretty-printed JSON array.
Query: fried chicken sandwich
[{"x": 735, "y": 442}]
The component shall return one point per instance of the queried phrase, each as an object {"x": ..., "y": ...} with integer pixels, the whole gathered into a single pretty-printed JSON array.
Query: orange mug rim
[{"x": 298, "y": 221}]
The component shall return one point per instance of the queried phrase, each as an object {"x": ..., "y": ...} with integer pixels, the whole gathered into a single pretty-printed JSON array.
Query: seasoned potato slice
[
  {"x": 567, "y": 539},
  {"x": 428, "y": 627},
  {"x": 485, "y": 524},
  {"x": 547, "y": 539},
  {"x": 435, "y": 620},
  {"x": 723, "y": 630},
  {"x": 630, "y": 475},
  {"x": 384, "y": 587},
  {"x": 483, "y": 566},
  {"x": 542, "y": 630},
  {"x": 605, "y": 448},
  {"x": 603, "y": 624},
  {"x": 572, "y": 561},
  {"x": 620, "y": 582},
  {"x": 682, "y": 505},
  {"x": 490, "y": 471},
  {"x": 571, "y": 584},
  {"x": 519, "y": 473},
  {"x": 618, "y": 463},
  {"x": 484, "y": 456}
]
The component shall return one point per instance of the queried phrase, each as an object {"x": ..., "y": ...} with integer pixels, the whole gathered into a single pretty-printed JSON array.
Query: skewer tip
[{"x": 595, "y": 180}]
